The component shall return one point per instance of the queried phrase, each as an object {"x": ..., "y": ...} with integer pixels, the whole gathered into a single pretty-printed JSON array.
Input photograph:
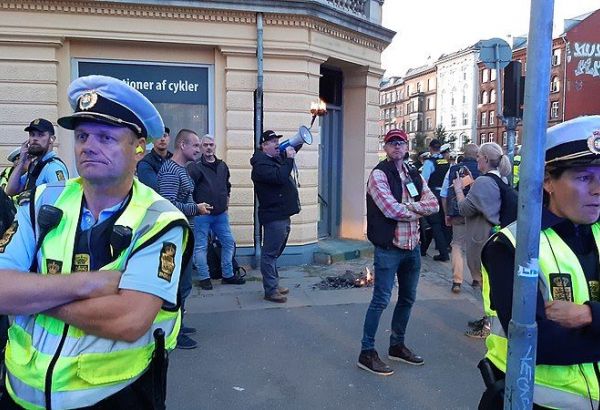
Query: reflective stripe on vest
[
  {"x": 556, "y": 386},
  {"x": 89, "y": 368}
]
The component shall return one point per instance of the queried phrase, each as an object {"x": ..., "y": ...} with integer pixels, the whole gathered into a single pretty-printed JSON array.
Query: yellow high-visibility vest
[{"x": 87, "y": 368}]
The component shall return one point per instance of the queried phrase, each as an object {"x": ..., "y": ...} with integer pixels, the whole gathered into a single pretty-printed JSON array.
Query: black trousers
[{"x": 137, "y": 396}]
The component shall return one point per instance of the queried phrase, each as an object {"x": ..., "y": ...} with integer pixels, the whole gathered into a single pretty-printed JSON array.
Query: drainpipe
[
  {"x": 258, "y": 123},
  {"x": 563, "y": 86}
]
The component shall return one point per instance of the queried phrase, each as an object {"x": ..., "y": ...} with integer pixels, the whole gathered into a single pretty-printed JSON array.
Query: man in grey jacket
[{"x": 211, "y": 185}]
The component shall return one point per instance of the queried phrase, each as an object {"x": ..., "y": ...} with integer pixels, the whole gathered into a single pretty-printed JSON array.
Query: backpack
[
  {"x": 508, "y": 201},
  {"x": 213, "y": 259}
]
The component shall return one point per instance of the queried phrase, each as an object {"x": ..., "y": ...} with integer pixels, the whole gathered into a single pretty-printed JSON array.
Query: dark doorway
[{"x": 330, "y": 154}]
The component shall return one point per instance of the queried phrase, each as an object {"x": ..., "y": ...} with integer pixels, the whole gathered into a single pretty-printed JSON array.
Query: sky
[{"x": 428, "y": 28}]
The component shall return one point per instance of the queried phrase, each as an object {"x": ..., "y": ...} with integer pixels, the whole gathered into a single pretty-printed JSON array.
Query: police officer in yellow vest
[
  {"x": 106, "y": 253},
  {"x": 516, "y": 165},
  {"x": 568, "y": 300}
]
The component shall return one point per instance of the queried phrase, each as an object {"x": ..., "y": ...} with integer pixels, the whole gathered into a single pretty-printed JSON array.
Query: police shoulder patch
[
  {"x": 166, "y": 264},
  {"x": 53, "y": 267},
  {"x": 60, "y": 175},
  {"x": 8, "y": 235}
]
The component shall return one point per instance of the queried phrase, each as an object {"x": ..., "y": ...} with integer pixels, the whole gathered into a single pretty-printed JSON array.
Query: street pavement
[{"x": 255, "y": 354}]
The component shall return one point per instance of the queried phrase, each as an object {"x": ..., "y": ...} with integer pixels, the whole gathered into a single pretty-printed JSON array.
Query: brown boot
[
  {"x": 369, "y": 360},
  {"x": 283, "y": 291},
  {"x": 276, "y": 297}
]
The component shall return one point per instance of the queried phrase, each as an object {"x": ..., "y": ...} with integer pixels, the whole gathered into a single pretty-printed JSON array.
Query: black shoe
[
  {"x": 184, "y": 342},
  {"x": 369, "y": 360},
  {"x": 402, "y": 353},
  {"x": 185, "y": 330},
  {"x": 441, "y": 258},
  {"x": 456, "y": 287},
  {"x": 234, "y": 280},
  {"x": 475, "y": 284},
  {"x": 205, "y": 284}
]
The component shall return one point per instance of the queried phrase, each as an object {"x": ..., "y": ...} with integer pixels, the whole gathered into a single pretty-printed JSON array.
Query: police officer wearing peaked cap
[
  {"x": 568, "y": 298},
  {"x": 107, "y": 251}
]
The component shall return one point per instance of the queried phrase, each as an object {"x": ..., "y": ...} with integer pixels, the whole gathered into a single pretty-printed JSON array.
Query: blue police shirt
[
  {"x": 52, "y": 172},
  {"x": 140, "y": 274},
  {"x": 427, "y": 169}
]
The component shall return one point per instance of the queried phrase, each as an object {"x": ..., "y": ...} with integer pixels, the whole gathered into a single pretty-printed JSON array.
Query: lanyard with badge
[{"x": 410, "y": 185}]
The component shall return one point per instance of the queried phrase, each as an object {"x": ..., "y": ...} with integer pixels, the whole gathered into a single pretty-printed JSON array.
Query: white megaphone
[{"x": 303, "y": 136}]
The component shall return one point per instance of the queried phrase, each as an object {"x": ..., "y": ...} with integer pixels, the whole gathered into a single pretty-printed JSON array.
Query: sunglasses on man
[{"x": 396, "y": 143}]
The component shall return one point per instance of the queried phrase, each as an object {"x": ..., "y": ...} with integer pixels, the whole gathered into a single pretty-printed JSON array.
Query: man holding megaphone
[{"x": 278, "y": 199}]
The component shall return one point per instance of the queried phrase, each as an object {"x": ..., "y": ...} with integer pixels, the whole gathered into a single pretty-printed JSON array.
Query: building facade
[
  {"x": 457, "y": 95},
  {"x": 197, "y": 61},
  {"x": 574, "y": 78}
]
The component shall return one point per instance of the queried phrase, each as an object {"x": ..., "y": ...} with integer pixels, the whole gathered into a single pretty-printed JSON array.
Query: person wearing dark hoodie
[
  {"x": 278, "y": 200},
  {"x": 211, "y": 185}
]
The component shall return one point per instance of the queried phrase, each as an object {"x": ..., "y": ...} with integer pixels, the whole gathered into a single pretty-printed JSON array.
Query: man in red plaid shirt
[{"x": 397, "y": 197}]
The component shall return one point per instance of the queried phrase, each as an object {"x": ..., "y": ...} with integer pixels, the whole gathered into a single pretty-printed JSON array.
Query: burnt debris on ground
[{"x": 347, "y": 280}]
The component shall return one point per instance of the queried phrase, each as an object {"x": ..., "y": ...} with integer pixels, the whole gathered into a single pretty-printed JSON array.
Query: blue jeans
[
  {"x": 275, "y": 236},
  {"x": 219, "y": 224},
  {"x": 391, "y": 263}
]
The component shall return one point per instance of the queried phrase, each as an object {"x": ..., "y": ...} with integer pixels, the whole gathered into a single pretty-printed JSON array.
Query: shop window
[{"x": 180, "y": 93}]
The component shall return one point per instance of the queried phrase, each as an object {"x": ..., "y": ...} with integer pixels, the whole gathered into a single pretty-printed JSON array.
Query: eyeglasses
[{"x": 397, "y": 143}]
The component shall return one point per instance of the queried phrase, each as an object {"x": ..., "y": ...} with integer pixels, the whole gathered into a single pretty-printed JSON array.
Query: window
[
  {"x": 554, "y": 85},
  {"x": 483, "y": 119},
  {"x": 452, "y": 98},
  {"x": 485, "y": 75},
  {"x": 393, "y": 96},
  {"x": 504, "y": 138},
  {"x": 407, "y": 89},
  {"x": 492, "y": 115},
  {"x": 493, "y": 96},
  {"x": 465, "y": 120},
  {"x": 556, "y": 57},
  {"x": 485, "y": 97},
  {"x": 481, "y": 138},
  {"x": 464, "y": 95},
  {"x": 418, "y": 87},
  {"x": 554, "y": 110},
  {"x": 400, "y": 110},
  {"x": 452, "y": 121},
  {"x": 428, "y": 103},
  {"x": 492, "y": 75},
  {"x": 491, "y": 137},
  {"x": 430, "y": 84},
  {"x": 429, "y": 125},
  {"x": 408, "y": 108}
]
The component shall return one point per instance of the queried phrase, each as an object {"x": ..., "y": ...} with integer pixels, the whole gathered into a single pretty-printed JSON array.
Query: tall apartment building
[
  {"x": 574, "y": 78},
  {"x": 391, "y": 95},
  {"x": 457, "y": 95},
  {"x": 409, "y": 103}
]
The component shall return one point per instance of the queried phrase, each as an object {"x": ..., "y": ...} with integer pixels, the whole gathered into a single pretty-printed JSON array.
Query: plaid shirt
[{"x": 406, "y": 213}]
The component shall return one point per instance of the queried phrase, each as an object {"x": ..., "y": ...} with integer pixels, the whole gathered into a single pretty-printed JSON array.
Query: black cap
[
  {"x": 269, "y": 135},
  {"x": 435, "y": 143},
  {"x": 41, "y": 125}
]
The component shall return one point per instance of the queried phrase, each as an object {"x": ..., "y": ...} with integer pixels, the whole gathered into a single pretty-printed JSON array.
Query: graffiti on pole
[{"x": 525, "y": 380}]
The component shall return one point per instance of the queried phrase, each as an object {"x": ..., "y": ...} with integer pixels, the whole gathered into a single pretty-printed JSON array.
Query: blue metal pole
[{"x": 522, "y": 331}]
